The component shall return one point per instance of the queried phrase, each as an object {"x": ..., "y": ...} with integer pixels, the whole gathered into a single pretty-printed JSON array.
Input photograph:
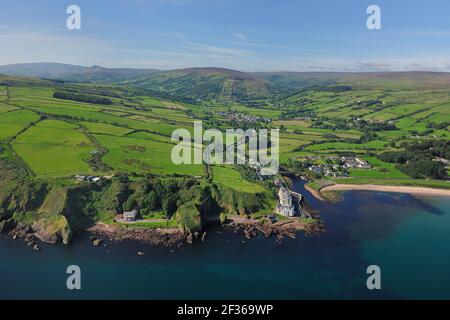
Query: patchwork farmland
[{"x": 106, "y": 148}]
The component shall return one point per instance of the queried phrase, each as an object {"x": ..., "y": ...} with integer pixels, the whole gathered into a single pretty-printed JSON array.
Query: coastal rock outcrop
[
  {"x": 53, "y": 230},
  {"x": 7, "y": 225},
  {"x": 151, "y": 236},
  {"x": 97, "y": 242}
]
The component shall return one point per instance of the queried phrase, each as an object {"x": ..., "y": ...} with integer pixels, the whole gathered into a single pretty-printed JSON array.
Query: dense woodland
[
  {"x": 81, "y": 97},
  {"x": 419, "y": 159}
]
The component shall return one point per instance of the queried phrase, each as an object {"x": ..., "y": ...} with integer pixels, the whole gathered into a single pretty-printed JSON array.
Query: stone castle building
[{"x": 284, "y": 205}]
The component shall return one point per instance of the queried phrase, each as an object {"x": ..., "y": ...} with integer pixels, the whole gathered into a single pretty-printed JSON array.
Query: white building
[
  {"x": 130, "y": 215},
  {"x": 284, "y": 205},
  {"x": 355, "y": 162}
]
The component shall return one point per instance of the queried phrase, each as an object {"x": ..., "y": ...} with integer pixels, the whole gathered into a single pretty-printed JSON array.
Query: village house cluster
[
  {"x": 304, "y": 118},
  {"x": 358, "y": 120},
  {"x": 243, "y": 117},
  {"x": 336, "y": 166},
  {"x": 355, "y": 162},
  {"x": 256, "y": 166}
]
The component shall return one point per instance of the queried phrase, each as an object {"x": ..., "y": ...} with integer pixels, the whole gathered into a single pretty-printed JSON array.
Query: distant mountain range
[
  {"x": 225, "y": 84},
  {"x": 72, "y": 73}
]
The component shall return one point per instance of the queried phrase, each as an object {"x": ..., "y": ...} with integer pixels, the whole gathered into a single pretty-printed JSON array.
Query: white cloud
[
  {"x": 215, "y": 50},
  {"x": 240, "y": 36}
]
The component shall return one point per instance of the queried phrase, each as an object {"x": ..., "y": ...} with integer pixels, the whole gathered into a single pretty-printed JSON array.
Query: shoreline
[
  {"x": 167, "y": 237},
  {"x": 314, "y": 193},
  {"x": 102, "y": 234},
  {"x": 281, "y": 229},
  {"x": 394, "y": 189}
]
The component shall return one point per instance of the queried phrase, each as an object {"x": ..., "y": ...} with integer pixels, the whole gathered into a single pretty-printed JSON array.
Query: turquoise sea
[{"x": 407, "y": 236}]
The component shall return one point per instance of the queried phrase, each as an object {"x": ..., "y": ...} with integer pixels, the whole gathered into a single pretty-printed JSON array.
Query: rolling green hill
[
  {"x": 291, "y": 82},
  {"x": 225, "y": 85},
  {"x": 260, "y": 88},
  {"x": 206, "y": 83}
]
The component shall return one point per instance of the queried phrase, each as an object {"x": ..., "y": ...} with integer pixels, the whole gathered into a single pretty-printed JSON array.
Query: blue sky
[{"x": 249, "y": 35}]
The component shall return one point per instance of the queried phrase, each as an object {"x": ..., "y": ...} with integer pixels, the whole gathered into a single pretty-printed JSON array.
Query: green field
[
  {"x": 13, "y": 122},
  {"x": 381, "y": 170},
  {"x": 347, "y": 146},
  {"x": 104, "y": 128},
  {"x": 5, "y": 107},
  {"x": 135, "y": 137},
  {"x": 231, "y": 178},
  {"x": 143, "y": 156},
  {"x": 55, "y": 148}
]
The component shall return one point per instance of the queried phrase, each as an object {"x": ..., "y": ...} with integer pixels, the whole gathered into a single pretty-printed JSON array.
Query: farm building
[
  {"x": 354, "y": 162},
  {"x": 87, "y": 178},
  {"x": 130, "y": 215}
]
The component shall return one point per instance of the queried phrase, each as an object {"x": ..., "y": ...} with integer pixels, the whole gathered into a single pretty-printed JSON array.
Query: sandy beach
[
  {"x": 315, "y": 193},
  {"x": 399, "y": 189}
]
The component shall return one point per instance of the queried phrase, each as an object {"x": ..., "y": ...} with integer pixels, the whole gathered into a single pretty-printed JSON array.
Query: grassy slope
[
  {"x": 143, "y": 156},
  {"x": 231, "y": 178},
  {"x": 13, "y": 122},
  {"x": 206, "y": 83},
  {"x": 55, "y": 148}
]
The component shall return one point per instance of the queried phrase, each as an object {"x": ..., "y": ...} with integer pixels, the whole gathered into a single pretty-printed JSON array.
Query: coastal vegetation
[
  {"x": 425, "y": 159},
  {"x": 76, "y": 154}
]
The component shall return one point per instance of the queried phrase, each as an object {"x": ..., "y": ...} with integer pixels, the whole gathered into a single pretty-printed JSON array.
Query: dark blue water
[{"x": 406, "y": 236}]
